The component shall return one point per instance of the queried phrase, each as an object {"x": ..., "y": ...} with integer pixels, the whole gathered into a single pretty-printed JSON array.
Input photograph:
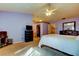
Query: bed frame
[{"x": 56, "y": 50}]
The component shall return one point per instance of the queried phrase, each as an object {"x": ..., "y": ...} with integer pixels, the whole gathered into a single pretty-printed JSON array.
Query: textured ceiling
[
  {"x": 64, "y": 10},
  {"x": 20, "y": 7}
]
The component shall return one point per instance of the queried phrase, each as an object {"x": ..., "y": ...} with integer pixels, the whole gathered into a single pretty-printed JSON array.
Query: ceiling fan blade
[
  {"x": 53, "y": 10},
  {"x": 53, "y": 13},
  {"x": 47, "y": 10}
]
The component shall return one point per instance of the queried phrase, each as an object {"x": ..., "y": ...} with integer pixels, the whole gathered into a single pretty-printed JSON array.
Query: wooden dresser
[{"x": 69, "y": 32}]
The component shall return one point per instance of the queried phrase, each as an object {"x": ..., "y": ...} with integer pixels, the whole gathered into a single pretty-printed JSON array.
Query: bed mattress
[{"x": 64, "y": 43}]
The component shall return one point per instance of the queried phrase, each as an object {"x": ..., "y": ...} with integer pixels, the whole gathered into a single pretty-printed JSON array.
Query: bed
[{"x": 64, "y": 43}]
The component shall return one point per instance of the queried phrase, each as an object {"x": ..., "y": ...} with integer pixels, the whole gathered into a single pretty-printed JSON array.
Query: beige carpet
[{"x": 11, "y": 49}]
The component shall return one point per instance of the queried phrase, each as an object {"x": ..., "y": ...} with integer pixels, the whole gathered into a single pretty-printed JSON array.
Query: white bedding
[{"x": 64, "y": 43}]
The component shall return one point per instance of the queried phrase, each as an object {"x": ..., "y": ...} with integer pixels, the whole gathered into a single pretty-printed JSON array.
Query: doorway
[{"x": 38, "y": 30}]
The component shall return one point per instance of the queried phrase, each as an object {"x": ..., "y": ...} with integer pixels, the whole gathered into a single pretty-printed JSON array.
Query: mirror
[{"x": 69, "y": 25}]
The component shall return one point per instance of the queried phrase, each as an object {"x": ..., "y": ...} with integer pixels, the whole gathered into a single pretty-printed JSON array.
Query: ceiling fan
[
  {"x": 49, "y": 10},
  {"x": 45, "y": 12}
]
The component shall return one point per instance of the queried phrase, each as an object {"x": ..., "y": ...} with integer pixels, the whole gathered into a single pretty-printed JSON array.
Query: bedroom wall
[
  {"x": 58, "y": 24},
  {"x": 14, "y": 24}
]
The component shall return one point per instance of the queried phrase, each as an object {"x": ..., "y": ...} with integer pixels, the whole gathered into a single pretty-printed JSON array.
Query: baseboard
[{"x": 17, "y": 42}]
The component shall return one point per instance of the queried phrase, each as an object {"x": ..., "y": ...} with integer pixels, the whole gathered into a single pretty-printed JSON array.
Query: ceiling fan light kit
[{"x": 49, "y": 10}]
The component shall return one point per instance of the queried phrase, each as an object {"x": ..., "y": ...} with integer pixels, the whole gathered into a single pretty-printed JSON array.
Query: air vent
[{"x": 63, "y": 18}]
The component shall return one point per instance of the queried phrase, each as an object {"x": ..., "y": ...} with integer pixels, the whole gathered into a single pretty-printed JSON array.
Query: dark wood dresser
[
  {"x": 69, "y": 32},
  {"x": 28, "y": 35}
]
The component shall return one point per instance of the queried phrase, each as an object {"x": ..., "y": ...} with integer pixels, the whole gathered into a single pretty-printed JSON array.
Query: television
[{"x": 28, "y": 27}]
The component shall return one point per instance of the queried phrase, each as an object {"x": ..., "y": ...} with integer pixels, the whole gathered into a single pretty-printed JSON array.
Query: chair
[{"x": 3, "y": 37}]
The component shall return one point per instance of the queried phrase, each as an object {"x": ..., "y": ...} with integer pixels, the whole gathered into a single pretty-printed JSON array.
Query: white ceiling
[
  {"x": 20, "y": 7},
  {"x": 64, "y": 10}
]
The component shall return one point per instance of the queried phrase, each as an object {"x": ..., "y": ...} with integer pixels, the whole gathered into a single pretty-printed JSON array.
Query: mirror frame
[{"x": 69, "y": 22}]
